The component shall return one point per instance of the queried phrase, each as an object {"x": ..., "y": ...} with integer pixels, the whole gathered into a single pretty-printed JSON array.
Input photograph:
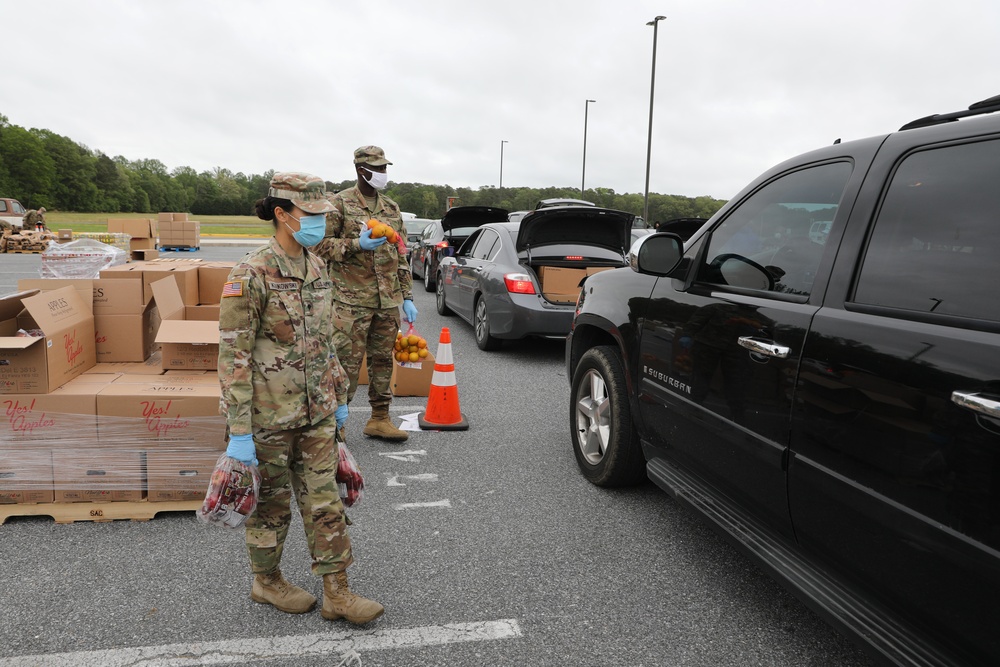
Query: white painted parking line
[
  {"x": 243, "y": 651},
  {"x": 411, "y": 506},
  {"x": 423, "y": 477},
  {"x": 408, "y": 455}
]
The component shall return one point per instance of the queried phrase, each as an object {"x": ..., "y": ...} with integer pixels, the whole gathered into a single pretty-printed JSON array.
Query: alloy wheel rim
[
  {"x": 593, "y": 417},
  {"x": 482, "y": 321}
]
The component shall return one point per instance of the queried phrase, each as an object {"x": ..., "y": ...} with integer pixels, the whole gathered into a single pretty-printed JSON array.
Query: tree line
[{"x": 42, "y": 168}]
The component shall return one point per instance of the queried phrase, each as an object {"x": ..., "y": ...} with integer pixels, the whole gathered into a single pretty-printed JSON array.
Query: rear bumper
[{"x": 522, "y": 315}]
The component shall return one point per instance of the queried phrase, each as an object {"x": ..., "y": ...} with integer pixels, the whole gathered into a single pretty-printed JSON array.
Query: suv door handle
[
  {"x": 977, "y": 402},
  {"x": 763, "y": 347}
]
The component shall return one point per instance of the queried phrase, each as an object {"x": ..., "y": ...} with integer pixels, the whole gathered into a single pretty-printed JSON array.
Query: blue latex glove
[
  {"x": 341, "y": 414},
  {"x": 409, "y": 311},
  {"x": 367, "y": 242},
  {"x": 241, "y": 448}
]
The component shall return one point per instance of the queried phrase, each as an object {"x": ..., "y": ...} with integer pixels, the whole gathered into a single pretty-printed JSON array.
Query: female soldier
[{"x": 284, "y": 395}]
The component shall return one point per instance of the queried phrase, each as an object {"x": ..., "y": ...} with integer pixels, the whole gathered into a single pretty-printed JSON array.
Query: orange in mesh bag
[
  {"x": 410, "y": 347},
  {"x": 232, "y": 493}
]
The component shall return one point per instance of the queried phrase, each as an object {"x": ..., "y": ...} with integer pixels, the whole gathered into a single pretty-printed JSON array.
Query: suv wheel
[
  {"x": 605, "y": 442},
  {"x": 442, "y": 307},
  {"x": 428, "y": 279},
  {"x": 482, "y": 325}
]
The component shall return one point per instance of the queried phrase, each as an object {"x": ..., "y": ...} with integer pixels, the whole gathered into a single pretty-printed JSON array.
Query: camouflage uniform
[
  {"x": 32, "y": 218},
  {"x": 371, "y": 286},
  {"x": 282, "y": 381}
]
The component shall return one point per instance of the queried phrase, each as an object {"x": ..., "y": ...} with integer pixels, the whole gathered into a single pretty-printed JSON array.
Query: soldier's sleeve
[
  {"x": 403, "y": 266},
  {"x": 335, "y": 247},
  {"x": 239, "y": 320},
  {"x": 342, "y": 383}
]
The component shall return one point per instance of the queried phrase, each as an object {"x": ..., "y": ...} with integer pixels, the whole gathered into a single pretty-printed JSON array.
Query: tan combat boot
[
  {"x": 380, "y": 426},
  {"x": 275, "y": 590},
  {"x": 340, "y": 602}
]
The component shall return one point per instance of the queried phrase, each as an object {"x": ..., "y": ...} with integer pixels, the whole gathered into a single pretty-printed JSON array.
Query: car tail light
[
  {"x": 574, "y": 257},
  {"x": 443, "y": 244},
  {"x": 518, "y": 283}
]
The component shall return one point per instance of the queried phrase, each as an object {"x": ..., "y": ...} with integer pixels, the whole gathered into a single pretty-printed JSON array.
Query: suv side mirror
[{"x": 656, "y": 254}]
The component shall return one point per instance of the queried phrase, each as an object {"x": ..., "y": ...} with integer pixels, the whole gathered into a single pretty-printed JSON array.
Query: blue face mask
[{"x": 312, "y": 229}]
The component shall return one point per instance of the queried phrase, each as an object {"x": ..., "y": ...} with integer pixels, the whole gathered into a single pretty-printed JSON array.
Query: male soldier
[
  {"x": 34, "y": 220},
  {"x": 372, "y": 279}
]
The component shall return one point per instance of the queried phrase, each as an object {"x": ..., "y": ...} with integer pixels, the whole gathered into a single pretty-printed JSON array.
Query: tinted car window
[
  {"x": 3, "y": 206},
  {"x": 936, "y": 242},
  {"x": 775, "y": 228},
  {"x": 485, "y": 244}
]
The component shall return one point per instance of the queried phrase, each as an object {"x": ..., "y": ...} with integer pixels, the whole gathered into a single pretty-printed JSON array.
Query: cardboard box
[
  {"x": 38, "y": 365},
  {"x": 26, "y": 476},
  {"x": 137, "y": 228},
  {"x": 591, "y": 270},
  {"x": 97, "y": 475},
  {"x": 172, "y": 379},
  {"x": 152, "y": 366},
  {"x": 184, "y": 343},
  {"x": 142, "y": 244},
  {"x": 83, "y": 286},
  {"x": 144, "y": 255},
  {"x": 124, "y": 325},
  {"x": 149, "y": 414},
  {"x": 181, "y": 474},
  {"x": 186, "y": 276},
  {"x": 65, "y": 234},
  {"x": 413, "y": 378},
  {"x": 67, "y": 415},
  {"x": 164, "y": 217},
  {"x": 180, "y": 217},
  {"x": 211, "y": 278},
  {"x": 558, "y": 280}
]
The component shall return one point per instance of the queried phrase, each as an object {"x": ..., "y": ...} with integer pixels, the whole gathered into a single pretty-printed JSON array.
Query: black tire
[
  {"x": 428, "y": 279},
  {"x": 442, "y": 307},
  {"x": 605, "y": 441},
  {"x": 481, "y": 324}
]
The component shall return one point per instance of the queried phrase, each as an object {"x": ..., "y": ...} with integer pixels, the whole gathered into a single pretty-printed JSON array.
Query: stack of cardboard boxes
[
  {"x": 141, "y": 233},
  {"x": 91, "y": 410},
  {"x": 176, "y": 231}
]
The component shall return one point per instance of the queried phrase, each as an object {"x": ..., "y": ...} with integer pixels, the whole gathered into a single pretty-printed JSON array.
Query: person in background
[
  {"x": 34, "y": 220},
  {"x": 373, "y": 280},
  {"x": 284, "y": 395}
]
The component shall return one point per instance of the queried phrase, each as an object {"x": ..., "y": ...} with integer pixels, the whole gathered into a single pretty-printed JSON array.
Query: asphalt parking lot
[{"x": 485, "y": 546}]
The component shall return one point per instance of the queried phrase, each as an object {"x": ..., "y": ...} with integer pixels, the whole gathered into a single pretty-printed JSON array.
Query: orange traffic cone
[{"x": 442, "y": 412}]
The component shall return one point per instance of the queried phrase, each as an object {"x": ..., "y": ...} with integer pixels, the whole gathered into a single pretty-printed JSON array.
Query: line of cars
[{"x": 514, "y": 279}]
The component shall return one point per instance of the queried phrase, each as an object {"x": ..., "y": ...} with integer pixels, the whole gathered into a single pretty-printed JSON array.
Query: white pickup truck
[{"x": 11, "y": 212}]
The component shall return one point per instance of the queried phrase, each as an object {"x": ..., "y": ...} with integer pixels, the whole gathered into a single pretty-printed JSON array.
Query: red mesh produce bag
[
  {"x": 348, "y": 476},
  {"x": 232, "y": 493}
]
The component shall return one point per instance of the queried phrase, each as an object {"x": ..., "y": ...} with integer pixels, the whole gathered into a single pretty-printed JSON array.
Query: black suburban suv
[{"x": 816, "y": 371}]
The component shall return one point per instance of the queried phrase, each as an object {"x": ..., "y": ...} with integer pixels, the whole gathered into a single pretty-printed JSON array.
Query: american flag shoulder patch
[{"x": 232, "y": 288}]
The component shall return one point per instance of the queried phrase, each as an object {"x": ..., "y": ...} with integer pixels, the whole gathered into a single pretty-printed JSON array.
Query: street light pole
[
  {"x": 502, "y": 142},
  {"x": 583, "y": 177},
  {"x": 649, "y": 140}
]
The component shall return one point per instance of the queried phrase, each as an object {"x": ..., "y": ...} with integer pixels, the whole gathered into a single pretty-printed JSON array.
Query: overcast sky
[{"x": 294, "y": 85}]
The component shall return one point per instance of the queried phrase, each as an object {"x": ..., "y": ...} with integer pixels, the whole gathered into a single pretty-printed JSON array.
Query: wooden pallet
[
  {"x": 25, "y": 252},
  {"x": 139, "y": 510}
]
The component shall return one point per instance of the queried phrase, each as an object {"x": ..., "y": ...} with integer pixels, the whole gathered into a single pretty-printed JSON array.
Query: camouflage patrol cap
[
  {"x": 306, "y": 191},
  {"x": 371, "y": 155}
]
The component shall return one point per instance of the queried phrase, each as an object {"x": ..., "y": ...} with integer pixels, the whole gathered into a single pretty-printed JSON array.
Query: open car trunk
[{"x": 562, "y": 246}]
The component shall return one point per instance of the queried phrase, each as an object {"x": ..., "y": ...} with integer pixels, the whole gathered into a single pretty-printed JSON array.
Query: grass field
[{"x": 211, "y": 225}]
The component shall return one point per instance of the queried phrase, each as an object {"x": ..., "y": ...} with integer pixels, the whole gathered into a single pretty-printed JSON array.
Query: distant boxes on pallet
[{"x": 180, "y": 233}]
